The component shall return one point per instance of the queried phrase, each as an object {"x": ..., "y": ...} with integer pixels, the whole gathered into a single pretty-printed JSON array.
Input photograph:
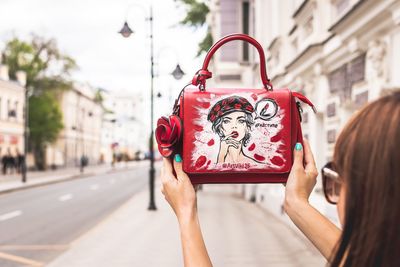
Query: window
[
  {"x": 331, "y": 136},
  {"x": 342, "y": 79},
  {"x": 331, "y": 110},
  {"x": 9, "y": 113},
  {"x": 245, "y": 28},
  {"x": 16, "y": 109}
]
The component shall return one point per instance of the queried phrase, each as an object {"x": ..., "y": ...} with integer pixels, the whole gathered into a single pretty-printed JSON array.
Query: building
[
  {"x": 81, "y": 136},
  {"x": 340, "y": 53},
  {"x": 12, "y": 103},
  {"x": 124, "y": 128}
]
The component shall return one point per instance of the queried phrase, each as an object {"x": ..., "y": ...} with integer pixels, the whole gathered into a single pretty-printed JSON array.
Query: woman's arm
[
  {"x": 180, "y": 194},
  {"x": 316, "y": 227}
]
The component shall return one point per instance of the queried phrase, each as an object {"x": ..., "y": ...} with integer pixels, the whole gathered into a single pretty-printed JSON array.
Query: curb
[{"x": 55, "y": 181}]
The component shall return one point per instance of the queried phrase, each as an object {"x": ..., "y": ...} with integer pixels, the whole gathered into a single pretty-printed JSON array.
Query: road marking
[
  {"x": 94, "y": 187},
  {"x": 20, "y": 259},
  {"x": 65, "y": 197},
  {"x": 10, "y": 215},
  {"x": 112, "y": 181}
]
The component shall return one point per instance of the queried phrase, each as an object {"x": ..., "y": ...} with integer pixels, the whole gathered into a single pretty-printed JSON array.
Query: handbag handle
[{"x": 203, "y": 74}]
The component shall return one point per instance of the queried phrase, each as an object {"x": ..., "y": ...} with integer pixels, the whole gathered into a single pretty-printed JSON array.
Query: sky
[{"x": 87, "y": 30}]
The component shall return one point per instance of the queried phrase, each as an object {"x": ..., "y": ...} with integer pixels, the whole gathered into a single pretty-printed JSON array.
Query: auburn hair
[{"x": 367, "y": 158}]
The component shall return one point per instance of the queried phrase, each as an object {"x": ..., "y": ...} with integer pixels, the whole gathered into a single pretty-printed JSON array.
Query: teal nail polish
[
  {"x": 178, "y": 158},
  {"x": 298, "y": 146}
]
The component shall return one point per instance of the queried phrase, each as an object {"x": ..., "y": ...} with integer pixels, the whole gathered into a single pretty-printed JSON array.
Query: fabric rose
[{"x": 168, "y": 135}]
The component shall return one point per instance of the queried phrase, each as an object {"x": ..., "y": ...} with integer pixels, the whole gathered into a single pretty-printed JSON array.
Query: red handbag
[{"x": 233, "y": 135}]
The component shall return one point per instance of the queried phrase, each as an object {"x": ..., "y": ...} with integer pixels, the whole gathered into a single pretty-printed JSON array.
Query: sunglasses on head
[{"x": 331, "y": 183}]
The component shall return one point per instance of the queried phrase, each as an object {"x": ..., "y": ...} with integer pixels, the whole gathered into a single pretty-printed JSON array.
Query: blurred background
[{"x": 82, "y": 83}]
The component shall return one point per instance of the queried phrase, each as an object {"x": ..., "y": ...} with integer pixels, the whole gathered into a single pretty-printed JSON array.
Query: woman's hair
[
  {"x": 367, "y": 158},
  {"x": 217, "y": 127}
]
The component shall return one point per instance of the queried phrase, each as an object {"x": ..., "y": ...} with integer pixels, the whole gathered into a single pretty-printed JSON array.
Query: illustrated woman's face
[{"x": 234, "y": 124}]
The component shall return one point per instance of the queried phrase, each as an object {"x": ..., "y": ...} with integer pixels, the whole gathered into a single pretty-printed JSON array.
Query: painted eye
[
  {"x": 241, "y": 121},
  {"x": 225, "y": 121}
]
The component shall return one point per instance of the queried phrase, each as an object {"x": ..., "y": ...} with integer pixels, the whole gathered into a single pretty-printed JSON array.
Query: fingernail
[
  {"x": 298, "y": 146},
  {"x": 178, "y": 158}
]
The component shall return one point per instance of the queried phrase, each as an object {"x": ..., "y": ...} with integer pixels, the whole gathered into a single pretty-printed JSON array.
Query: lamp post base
[{"x": 152, "y": 204}]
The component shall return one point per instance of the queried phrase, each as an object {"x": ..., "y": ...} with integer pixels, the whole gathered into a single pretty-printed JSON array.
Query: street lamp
[
  {"x": 24, "y": 166},
  {"x": 126, "y": 31}
]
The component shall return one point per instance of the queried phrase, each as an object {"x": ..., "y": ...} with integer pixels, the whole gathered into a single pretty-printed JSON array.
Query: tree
[
  {"x": 45, "y": 124},
  {"x": 196, "y": 15},
  {"x": 48, "y": 74}
]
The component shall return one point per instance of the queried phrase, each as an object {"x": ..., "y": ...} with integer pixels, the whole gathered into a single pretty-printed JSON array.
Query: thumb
[
  {"x": 298, "y": 155},
  {"x": 181, "y": 175}
]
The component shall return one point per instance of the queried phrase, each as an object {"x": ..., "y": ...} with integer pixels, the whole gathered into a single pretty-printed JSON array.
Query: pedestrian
[
  {"x": 19, "y": 161},
  {"x": 363, "y": 179},
  {"x": 4, "y": 161},
  {"x": 9, "y": 162}
]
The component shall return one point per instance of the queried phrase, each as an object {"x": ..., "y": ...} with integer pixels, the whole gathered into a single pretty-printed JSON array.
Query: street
[
  {"x": 38, "y": 224},
  {"x": 237, "y": 233}
]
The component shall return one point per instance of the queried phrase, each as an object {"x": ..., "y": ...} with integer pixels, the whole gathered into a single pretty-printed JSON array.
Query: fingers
[
  {"x": 166, "y": 171},
  {"x": 309, "y": 159},
  {"x": 181, "y": 175},
  {"x": 232, "y": 143},
  {"x": 227, "y": 137},
  {"x": 298, "y": 156},
  {"x": 167, "y": 165}
]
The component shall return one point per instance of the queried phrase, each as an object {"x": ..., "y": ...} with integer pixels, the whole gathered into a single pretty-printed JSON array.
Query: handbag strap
[{"x": 203, "y": 74}]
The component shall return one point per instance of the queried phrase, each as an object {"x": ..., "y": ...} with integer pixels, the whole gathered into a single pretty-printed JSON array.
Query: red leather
[
  {"x": 234, "y": 135},
  {"x": 203, "y": 74}
]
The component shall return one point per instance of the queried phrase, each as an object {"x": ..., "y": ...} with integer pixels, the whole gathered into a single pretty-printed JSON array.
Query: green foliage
[
  {"x": 98, "y": 97},
  {"x": 44, "y": 108},
  {"x": 196, "y": 15},
  {"x": 41, "y": 60},
  {"x": 207, "y": 42},
  {"x": 48, "y": 72}
]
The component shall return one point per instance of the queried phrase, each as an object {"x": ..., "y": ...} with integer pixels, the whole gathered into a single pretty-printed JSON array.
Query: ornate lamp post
[{"x": 126, "y": 31}]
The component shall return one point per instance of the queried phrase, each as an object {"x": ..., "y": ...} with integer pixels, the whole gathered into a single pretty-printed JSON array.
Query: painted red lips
[{"x": 235, "y": 134}]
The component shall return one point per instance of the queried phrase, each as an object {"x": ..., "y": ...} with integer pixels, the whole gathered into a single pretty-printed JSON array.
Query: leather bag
[{"x": 233, "y": 135}]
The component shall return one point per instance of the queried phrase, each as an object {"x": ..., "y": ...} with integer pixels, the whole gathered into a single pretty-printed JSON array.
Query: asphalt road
[{"x": 38, "y": 224}]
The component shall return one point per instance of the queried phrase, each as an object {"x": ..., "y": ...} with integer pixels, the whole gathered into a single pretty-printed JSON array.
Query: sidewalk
[
  {"x": 13, "y": 182},
  {"x": 237, "y": 233}
]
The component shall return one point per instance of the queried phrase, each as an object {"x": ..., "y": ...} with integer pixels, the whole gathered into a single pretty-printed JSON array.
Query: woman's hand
[
  {"x": 225, "y": 144},
  {"x": 301, "y": 179},
  {"x": 180, "y": 194},
  {"x": 178, "y": 189},
  {"x": 315, "y": 226}
]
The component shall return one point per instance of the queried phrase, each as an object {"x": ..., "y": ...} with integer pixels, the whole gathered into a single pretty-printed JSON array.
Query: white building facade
[
  {"x": 124, "y": 125},
  {"x": 12, "y": 103},
  {"x": 82, "y": 119},
  {"x": 340, "y": 53}
]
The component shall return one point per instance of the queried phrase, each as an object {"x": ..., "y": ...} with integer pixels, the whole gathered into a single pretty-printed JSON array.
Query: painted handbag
[{"x": 233, "y": 135}]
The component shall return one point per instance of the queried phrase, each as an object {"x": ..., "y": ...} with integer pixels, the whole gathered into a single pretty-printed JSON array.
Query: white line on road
[
  {"x": 94, "y": 187},
  {"x": 10, "y": 215},
  {"x": 65, "y": 197}
]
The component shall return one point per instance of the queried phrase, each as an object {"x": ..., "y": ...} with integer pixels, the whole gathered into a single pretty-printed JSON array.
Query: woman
[
  {"x": 365, "y": 176},
  {"x": 232, "y": 119}
]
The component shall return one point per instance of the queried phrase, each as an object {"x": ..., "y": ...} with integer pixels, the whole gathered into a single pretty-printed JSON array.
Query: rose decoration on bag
[{"x": 168, "y": 135}]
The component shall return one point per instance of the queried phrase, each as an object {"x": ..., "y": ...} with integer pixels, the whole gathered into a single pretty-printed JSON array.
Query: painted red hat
[{"x": 228, "y": 105}]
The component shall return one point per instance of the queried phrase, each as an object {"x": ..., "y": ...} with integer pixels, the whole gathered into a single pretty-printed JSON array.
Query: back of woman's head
[{"x": 367, "y": 158}]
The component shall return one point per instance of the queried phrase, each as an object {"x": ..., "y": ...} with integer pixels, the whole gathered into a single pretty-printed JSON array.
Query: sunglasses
[{"x": 331, "y": 183}]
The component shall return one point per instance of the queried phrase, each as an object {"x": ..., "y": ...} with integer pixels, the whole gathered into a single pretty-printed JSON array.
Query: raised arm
[
  {"x": 316, "y": 227},
  {"x": 180, "y": 194}
]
